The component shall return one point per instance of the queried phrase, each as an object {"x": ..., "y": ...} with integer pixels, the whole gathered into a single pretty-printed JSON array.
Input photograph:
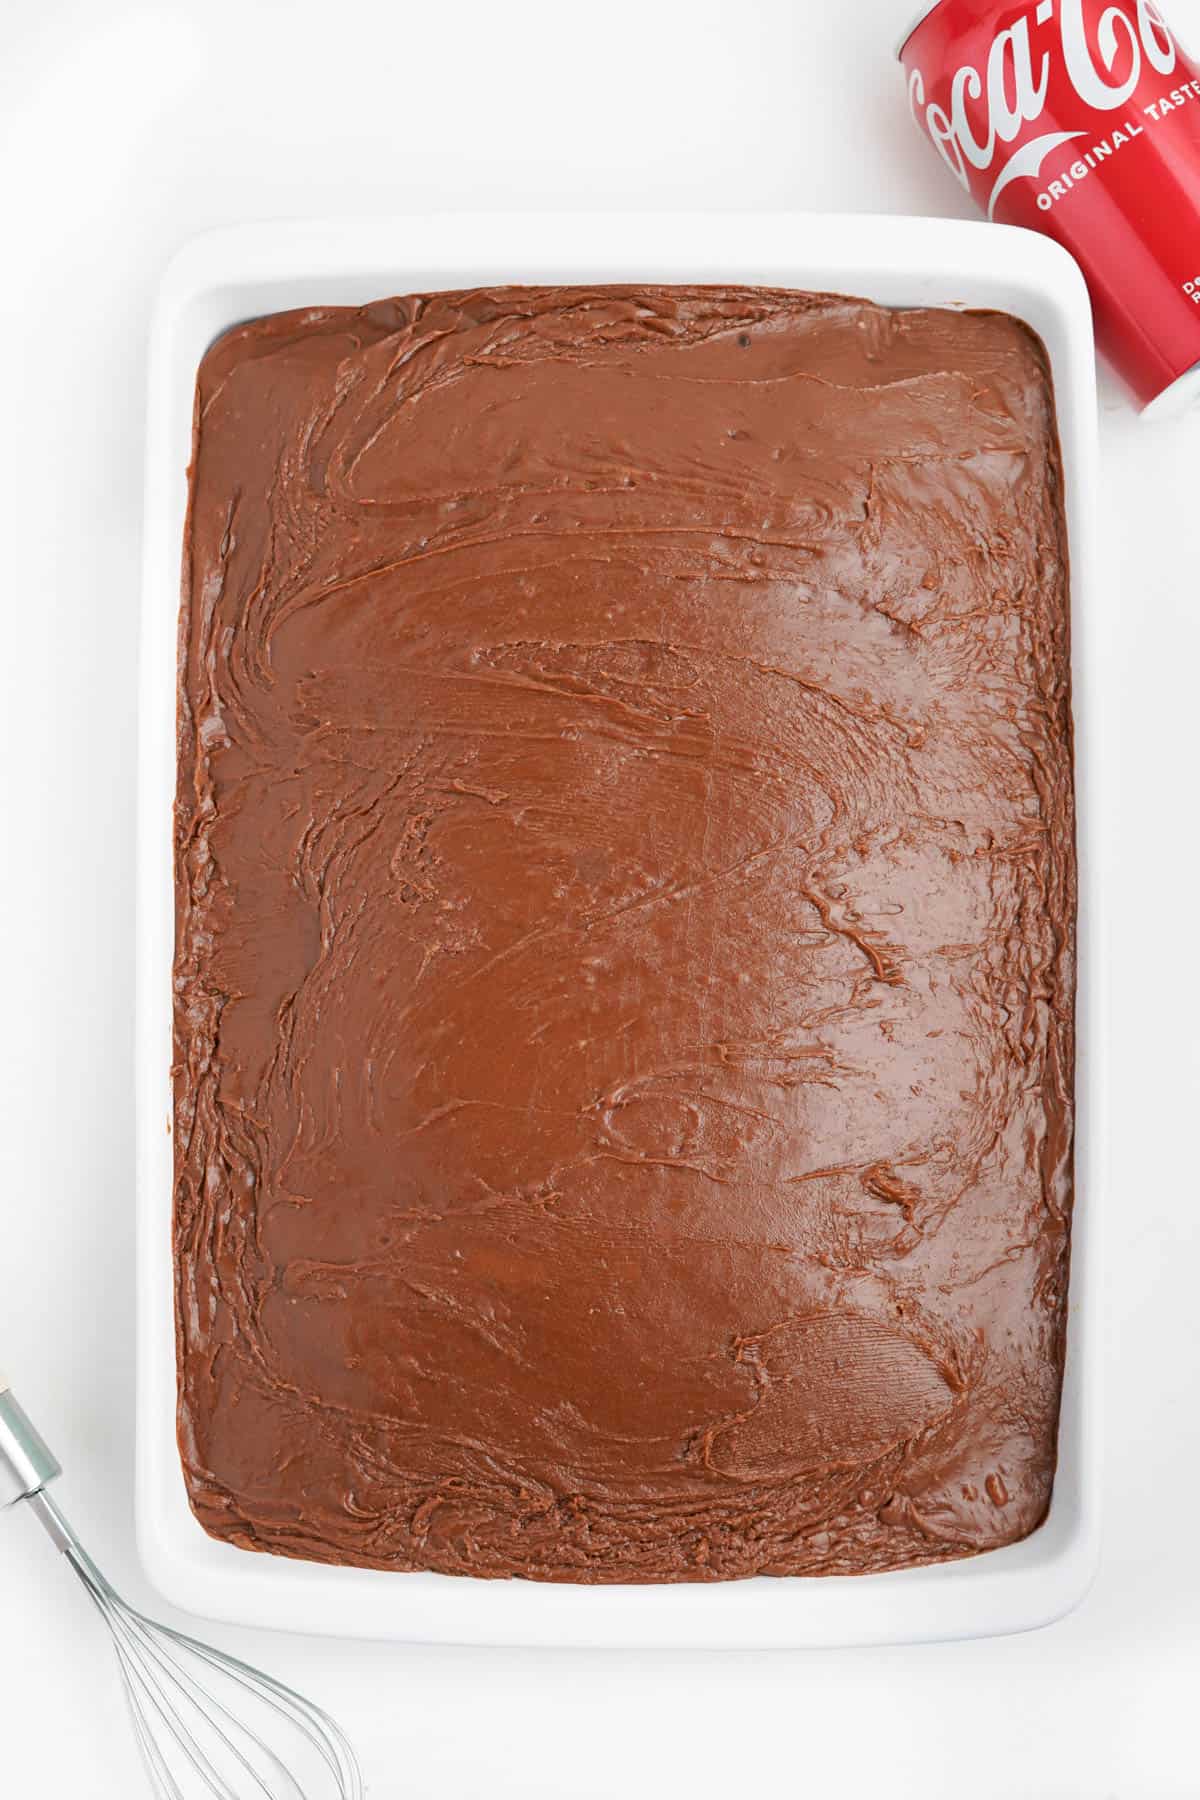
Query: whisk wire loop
[{"x": 190, "y": 1738}]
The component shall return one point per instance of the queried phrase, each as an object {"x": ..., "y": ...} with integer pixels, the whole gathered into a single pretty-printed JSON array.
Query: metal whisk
[{"x": 205, "y": 1723}]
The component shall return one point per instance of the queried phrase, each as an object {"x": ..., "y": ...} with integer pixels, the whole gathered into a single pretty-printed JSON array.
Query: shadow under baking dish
[{"x": 238, "y": 274}]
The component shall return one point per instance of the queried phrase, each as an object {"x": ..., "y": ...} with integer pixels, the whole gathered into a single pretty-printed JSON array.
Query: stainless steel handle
[{"x": 26, "y": 1464}]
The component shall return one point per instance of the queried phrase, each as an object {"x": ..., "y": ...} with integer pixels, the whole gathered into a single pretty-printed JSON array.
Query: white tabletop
[{"x": 127, "y": 127}]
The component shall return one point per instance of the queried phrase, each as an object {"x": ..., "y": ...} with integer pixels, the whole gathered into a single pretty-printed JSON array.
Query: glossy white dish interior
[{"x": 236, "y": 274}]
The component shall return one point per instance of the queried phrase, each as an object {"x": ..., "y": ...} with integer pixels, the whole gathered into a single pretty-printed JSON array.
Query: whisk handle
[{"x": 26, "y": 1464}]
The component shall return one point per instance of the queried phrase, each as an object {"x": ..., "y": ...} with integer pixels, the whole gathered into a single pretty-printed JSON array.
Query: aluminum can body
[{"x": 1080, "y": 119}]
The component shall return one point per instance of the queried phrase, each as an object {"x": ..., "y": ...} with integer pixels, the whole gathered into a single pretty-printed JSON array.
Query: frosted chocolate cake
[{"x": 625, "y": 936}]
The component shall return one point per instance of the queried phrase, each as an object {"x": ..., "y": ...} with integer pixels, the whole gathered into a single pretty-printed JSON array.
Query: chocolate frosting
[{"x": 625, "y": 930}]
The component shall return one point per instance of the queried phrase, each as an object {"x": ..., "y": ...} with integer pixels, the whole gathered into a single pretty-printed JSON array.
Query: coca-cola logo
[{"x": 990, "y": 108}]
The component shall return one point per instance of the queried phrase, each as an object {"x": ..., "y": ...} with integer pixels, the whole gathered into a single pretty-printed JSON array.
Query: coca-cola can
[{"x": 1080, "y": 119}]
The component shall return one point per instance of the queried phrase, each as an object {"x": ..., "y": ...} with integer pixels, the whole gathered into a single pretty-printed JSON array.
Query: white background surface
[{"x": 125, "y": 128}]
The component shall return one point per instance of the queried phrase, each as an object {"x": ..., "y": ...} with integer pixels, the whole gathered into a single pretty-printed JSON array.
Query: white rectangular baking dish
[{"x": 239, "y": 273}]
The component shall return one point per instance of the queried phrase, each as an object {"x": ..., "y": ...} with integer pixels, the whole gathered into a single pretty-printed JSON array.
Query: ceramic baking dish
[{"x": 236, "y": 274}]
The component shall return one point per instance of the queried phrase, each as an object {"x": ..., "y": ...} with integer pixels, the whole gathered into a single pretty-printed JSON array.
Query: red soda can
[{"x": 1080, "y": 119}]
